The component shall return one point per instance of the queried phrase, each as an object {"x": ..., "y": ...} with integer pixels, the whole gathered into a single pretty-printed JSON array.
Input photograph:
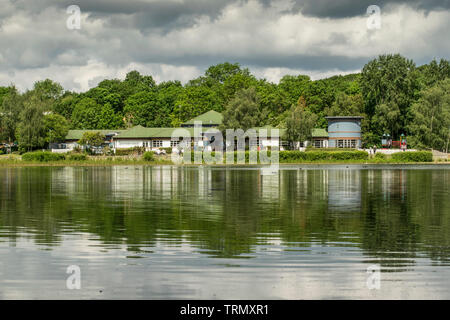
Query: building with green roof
[
  {"x": 319, "y": 138},
  {"x": 139, "y": 136}
]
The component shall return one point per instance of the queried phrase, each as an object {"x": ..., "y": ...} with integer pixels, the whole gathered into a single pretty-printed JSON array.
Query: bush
[
  {"x": 77, "y": 157},
  {"x": 380, "y": 156},
  {"x": 311, "y": 156},
  {"x": 148, "y": 156},
  {"x": 413, "y": 156},
  {"x": 168, "y": 150},
  {"x": 130, "y": 151},
  {"x": 43, "y": 156}
]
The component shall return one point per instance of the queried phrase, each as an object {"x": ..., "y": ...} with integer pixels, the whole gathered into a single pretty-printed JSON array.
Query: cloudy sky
[{"x": 179, "y": 39}]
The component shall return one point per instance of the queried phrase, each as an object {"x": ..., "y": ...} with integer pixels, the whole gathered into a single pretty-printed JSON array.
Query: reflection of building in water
[
  {"x": 318, "y": 184},
  {"x": 393, "y": 184},
  {"x": 269, "y": 186},
  {"x": 344, "y": 190}
]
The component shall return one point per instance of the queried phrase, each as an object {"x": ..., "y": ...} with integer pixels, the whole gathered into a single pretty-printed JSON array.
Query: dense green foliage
[
  {"x": 244, "y": 111},
  {"x": 43, "y": 156},
  {"x": 300, "y": 122},
  {"x": 77, "y": 157},
  {"x": 148, "y": 156},
  {"x": 130, "y": 151},
  {"x": 297, "y": 156},
  {"x": 431, "y": 117},
  {"x": 94, "y": 139},
  {"x": 411, "y": 156},
  {"x": 392, "y": 94}
]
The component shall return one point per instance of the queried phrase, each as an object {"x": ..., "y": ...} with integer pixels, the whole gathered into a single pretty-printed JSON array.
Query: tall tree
[
  {"x": 55, "y": 128},
  {"x": 92, "y": 139},
  {"x": 12, "y": 105},
  {"x": 244, "y": 111},
  {"x": 300, "y": 122},
  {"x": 389, "y": 85},
  {"x": 31, "y": 130},
  {"x": 86, "y": 114},
  {"x": 346, "y": 105},
  {"x": 48, "y": 90},
  {"x": 430, "y": 127},
  {"x": 434, "y": 72}
]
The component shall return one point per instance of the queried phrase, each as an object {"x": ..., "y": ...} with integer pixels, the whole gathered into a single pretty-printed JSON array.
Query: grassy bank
[
  {"x": 285, "y": 157},
  {"x": 17, "y": 161}
]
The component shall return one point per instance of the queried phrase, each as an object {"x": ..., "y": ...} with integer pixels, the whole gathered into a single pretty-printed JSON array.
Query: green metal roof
[
  {"x": 209, "y": 118},
  {"x": 141, "y": 132},
  {"x": 319, "y": 133},
  {"x": 78, "y": 134}
]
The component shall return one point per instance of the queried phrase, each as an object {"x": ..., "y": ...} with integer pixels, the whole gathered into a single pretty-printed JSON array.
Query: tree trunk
[
  {"x": 431, "y": 131},
  {"x": 448, "y": 139}
]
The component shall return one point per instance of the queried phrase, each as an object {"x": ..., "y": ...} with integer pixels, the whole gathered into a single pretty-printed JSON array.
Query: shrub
[
  {"x": 311, "y": 156},
  {"x": 299, "y": 156},
  {"x": 43, "y": 156},
  {"x": 77, "y": 157},
  {"x": 168, "y": 150},
  {"x": 413, "y": 156},
  {"x": 130, "y": 151},
  {"x": 148, "y": 156},
  {"x": 380, "y": 156}
]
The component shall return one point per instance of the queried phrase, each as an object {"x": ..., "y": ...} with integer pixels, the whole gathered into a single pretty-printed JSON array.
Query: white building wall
[
  {"x": 125, "y": 144},
  {"x": 270, "y": 143}
]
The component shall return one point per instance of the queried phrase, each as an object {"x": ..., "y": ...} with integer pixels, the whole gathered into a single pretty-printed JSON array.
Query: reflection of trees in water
[{"x": 228, "y": 212}]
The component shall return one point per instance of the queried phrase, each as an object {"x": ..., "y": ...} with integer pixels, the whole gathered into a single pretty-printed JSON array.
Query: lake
[{"x": 167, "y": 232}]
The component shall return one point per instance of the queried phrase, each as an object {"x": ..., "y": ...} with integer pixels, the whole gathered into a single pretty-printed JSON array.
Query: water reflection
[{"x": 390, "y": 217}]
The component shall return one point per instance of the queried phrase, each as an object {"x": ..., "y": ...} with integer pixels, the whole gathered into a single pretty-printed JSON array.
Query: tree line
[{"x": 393, "y": 94}]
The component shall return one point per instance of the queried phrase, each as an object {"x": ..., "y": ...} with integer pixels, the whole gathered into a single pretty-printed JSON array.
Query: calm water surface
[{"x": 224, "y": 233}]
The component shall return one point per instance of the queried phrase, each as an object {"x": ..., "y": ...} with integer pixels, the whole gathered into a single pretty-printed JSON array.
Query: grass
[{"x": 16, "y": 161}]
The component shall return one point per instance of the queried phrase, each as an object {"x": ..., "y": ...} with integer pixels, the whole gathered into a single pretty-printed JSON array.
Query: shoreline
[{"x": 102, "y": 163}]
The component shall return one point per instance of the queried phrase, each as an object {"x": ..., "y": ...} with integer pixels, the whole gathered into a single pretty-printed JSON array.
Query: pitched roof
[
  {"x": 319, "y": 133},
  {"x": 146, "y": 133},
  {"x": 78, "y": 134},
  {"x": 209, "y": 118}
]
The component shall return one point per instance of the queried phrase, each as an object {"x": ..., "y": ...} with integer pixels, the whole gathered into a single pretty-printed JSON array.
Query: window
[
  {"x": 317, "y": 143},
  {"x": 157, "y": 143},
  {"x": 174, "y": 143},
  {"x": 349, "y": 144}
]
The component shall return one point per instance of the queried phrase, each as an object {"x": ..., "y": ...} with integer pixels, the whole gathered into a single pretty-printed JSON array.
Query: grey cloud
[
  {"x": 168, "y": 14},
  {"x": 138, "y": 32},
  {"x": 351, "y": 8},
  {"x": 141, "y": 14}
]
